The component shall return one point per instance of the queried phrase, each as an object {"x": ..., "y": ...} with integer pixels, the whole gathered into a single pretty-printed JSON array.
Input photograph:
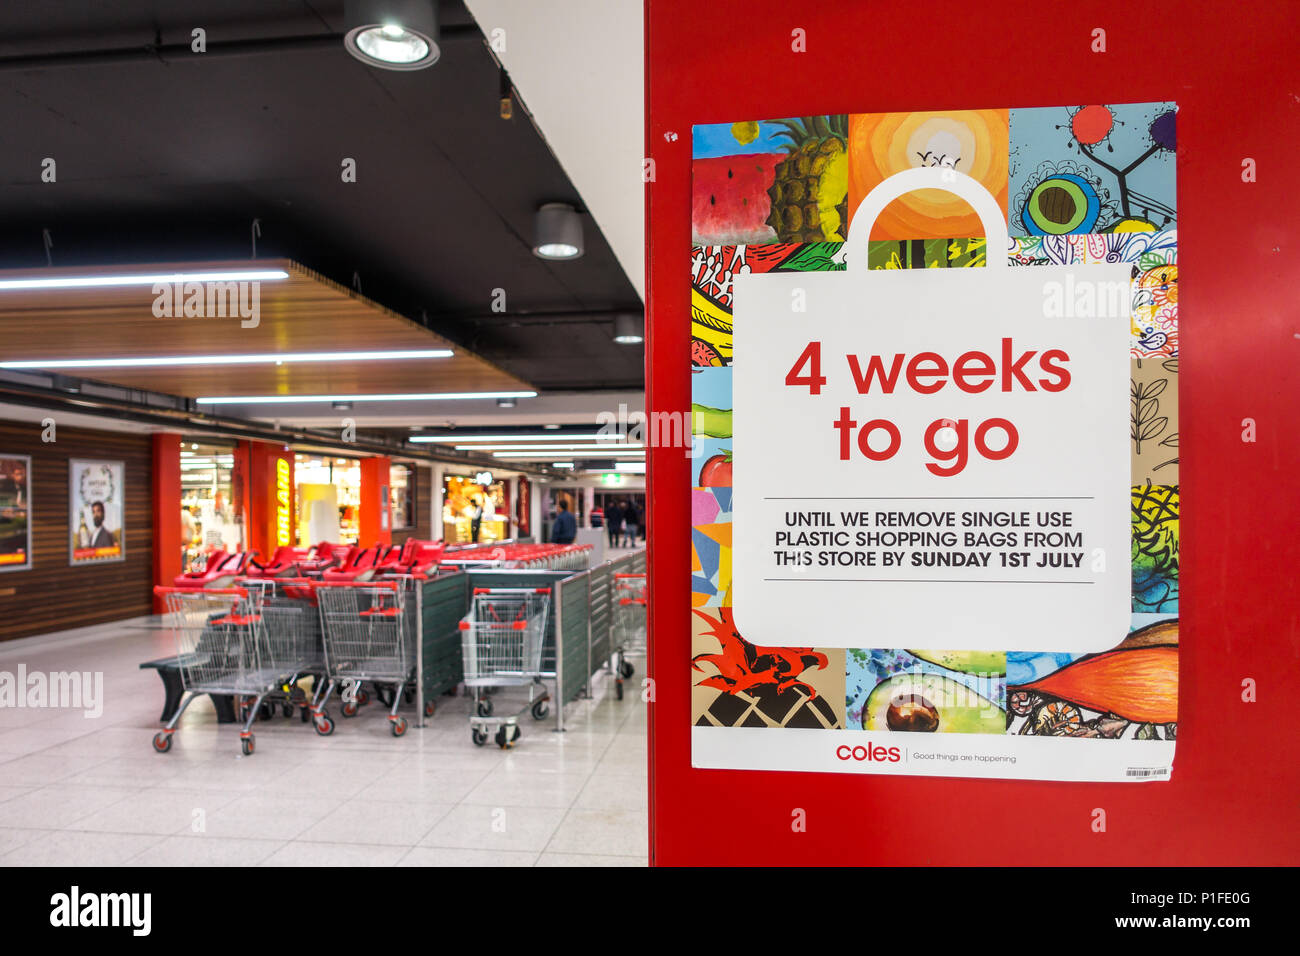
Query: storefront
[
  {"x": 209, "y": 521},
  {"x": 475, "y": 503},
  {"x": 328, "y": 493}
]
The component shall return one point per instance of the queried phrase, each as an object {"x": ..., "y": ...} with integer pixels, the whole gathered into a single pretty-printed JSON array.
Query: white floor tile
[
  {"x": 445, "y": 856},
  {"x": 70, "y": 848},
  {"x": 612, "y": 832},
  {"x": 588, "y": 860},
  {"x": 375, "y": 822},
  {"x": 59, "y": 806},
  {"x": 470, "y": 826},
  {"x": 334, "y": 855},
  {"x": 203, "y": 850}
]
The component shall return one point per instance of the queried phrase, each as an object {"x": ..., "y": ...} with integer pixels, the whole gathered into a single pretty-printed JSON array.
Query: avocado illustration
[
  {"x": 930, "y": 703},
  {"x": 986, "y": 663}
]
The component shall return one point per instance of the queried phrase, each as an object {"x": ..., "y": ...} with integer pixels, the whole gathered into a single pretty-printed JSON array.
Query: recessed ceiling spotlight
[
  {"x": 506, "y": 403},
  {"x": 392, "y": 34},
  {"x": 557, "y": 232},
  {"x": 627, "y": 330},
  {"x": 343, "y": 406},
  {"x": 550, "y": 427}
]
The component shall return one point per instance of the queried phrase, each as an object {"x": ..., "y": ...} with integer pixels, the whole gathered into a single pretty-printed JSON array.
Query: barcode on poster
[{"x": 1146, "y": 771}]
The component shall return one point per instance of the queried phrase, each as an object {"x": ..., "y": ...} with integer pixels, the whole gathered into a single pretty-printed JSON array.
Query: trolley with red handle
[
  {"x": 629, "y": 624},
  {"x": 501, "y": 643},
  {"x": 222, "y": 647},
  {"x": 365, "y": 629},
  {"x": 293, "y": 630}
]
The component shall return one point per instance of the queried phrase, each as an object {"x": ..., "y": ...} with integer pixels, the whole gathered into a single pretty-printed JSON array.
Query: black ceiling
[{"x": 171, "y": 155}]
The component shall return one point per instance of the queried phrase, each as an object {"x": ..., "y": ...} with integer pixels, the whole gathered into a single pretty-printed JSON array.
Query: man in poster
[{"x": 102, "y": 537}]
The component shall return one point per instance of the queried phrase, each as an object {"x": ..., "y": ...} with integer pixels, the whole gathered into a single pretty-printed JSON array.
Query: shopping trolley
[
  {"x": 501, "y": 641},
  {"x": 222, "y": 648},
  {"x": 293, "y": 628},
  {"x": 364, "y": 627},
  {"x": 629, "y": 624}
]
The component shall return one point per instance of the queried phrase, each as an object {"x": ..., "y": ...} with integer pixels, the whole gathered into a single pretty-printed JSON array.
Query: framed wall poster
[
  {"x": 935, "y": 418},
  {"x": 15, "y": 512},
  {"x": 96, "y": 523}
]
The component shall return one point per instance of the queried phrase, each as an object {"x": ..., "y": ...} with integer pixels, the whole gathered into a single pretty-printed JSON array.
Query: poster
[
  {"x": 935, "y": 440},
  {"x": 97, "y": 496},
  {"x": 15, "y": 512}
]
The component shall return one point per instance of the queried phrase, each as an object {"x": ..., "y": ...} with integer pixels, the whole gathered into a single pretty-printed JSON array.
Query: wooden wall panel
[{"x": 52, "y": 596}]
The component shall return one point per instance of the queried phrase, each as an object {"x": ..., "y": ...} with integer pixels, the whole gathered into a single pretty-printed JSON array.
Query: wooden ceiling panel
[{"x": 303, "y": 313}]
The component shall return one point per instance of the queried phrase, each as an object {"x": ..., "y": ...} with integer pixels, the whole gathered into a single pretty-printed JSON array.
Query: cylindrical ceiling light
[
  {"x": 627, "y": 329},
  {"x": 557, "y": 232},
  {"x": 392, "y": 34}
]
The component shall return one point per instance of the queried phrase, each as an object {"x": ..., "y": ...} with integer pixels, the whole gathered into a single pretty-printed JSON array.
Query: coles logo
[{"x": 868, "y": 752}]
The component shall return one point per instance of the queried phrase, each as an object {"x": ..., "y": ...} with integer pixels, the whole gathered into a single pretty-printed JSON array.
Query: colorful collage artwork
[{"x": 1082, "y": 184}]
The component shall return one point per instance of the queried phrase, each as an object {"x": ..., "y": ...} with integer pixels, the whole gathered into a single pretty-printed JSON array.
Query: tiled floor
[{"x": 90, "y": 791}]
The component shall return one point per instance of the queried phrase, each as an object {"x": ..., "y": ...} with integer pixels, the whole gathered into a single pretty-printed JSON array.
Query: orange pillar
[
  {"x": 271, "y": 509},
  {"x": 375, "y": 521},
  {"x": 167, "y": 538}
]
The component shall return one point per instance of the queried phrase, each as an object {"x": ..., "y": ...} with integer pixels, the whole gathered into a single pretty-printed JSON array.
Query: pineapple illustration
[{"x": 810, "y": 191}]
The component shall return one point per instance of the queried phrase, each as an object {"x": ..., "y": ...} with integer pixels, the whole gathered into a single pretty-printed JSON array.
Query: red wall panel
[
  {"x": 168, "y": 543},
  {"x": 1233, "y": 71}
]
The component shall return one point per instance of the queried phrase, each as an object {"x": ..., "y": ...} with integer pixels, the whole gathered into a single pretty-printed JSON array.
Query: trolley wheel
[
  {"x": 162, "y": 742},
  {"x": 324, "y": 725},
  {"x": 408, "y": 696},
  {"x": 349, "y": 708},
  {"x": 306, "y": 713},
  {"x": 480, "y": 737},
  {"x": 362, "y": 698},
  {"x": 246, "y": 745},
  {"x": 286, "y": 709},
  {"x": 626, "y": 669},
  {"x": 265, "y": 712},
  {"x": 484, "y": 708},
  {"x": 399, "y": 726},
  {"x": 507, "y": 735},
  {"x": 540, "y": 709},
  {"x": 429, "y": 708},
  {"x": 618, "y": 689}
]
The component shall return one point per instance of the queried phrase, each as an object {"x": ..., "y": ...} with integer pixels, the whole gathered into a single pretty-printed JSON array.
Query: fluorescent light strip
[
  {"x": 630, "y": 467},
  {"x": 553, "y": 449},
  {"x": 251, "y": 359},
  {"x": 551, "y": 454},
  {"x": 407, "y": 397},
  {"x": 152, "y": 278},
  {"x": 561, "y": 464},
  {"x": 455, "y": 439}
]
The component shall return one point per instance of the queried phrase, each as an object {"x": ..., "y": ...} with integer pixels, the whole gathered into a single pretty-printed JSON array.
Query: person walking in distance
[
  {"x": 629, "y": 524},
  {"x": 565, "y": 528},
  {"x": 640, "y": 522},
  {"x": 614, "y": 521},
  {"x": 476, "y": 520}
]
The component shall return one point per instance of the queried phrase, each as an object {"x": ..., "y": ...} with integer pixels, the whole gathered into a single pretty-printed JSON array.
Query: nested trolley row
[{"x": 257, "y": 641}]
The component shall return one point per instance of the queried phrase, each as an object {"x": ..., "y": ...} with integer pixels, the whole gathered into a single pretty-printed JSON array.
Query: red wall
[
  {"x": 376, "y": 523},
  {"x": 167, "y": 544},
  {"x": 1232, "y": 70}
]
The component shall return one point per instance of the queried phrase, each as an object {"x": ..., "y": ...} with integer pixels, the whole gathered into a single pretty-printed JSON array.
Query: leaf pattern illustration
[{"x": 1146, "y": 422}]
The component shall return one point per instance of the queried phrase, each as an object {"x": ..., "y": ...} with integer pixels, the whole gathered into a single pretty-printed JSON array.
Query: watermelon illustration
[{"x": 729, "y": 199}]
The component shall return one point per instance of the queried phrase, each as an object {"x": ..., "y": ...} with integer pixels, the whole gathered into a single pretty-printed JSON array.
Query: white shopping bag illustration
[{"x": 932, "y": 458}]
